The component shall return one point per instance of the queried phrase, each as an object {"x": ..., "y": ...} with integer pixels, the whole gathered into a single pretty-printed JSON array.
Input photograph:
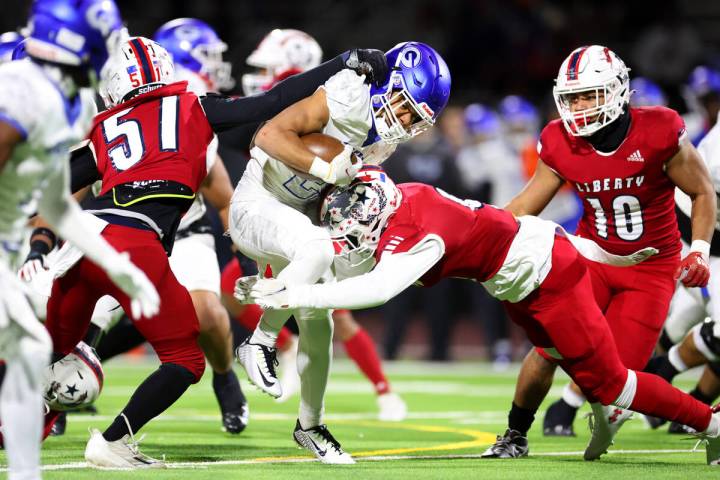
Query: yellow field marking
[{"x": 477, "y": 439}]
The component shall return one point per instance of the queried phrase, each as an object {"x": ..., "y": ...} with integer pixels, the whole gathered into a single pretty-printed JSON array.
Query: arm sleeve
[
  {"x": 224, "y": 113},
  {"x": 393, "y": 274},
  {"x": 83, "y": 169}
]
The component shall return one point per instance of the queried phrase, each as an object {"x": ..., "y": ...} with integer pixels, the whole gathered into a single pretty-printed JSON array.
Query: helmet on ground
[{"x": 74, "y": 381}]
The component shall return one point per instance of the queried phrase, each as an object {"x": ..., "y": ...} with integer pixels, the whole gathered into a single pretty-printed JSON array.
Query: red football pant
[
  {"x": 172, "y": 332},
  {"x": 635, "y": 301},
  {"x": 562, "y": 315}
]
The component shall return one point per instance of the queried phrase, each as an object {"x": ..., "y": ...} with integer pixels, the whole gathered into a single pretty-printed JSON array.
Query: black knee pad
[{"x": 708, "y": 337}]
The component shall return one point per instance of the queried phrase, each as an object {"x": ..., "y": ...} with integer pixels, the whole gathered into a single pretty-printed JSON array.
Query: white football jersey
[
  {"x": 348, "y": 100},
  {"x": 34, "y": 104},
  {"x": 709, "y": 149}
]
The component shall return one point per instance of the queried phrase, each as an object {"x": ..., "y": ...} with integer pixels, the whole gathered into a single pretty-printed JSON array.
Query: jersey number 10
[
  {"x": 131, "y": 148},
  {"x": 627, "y": 215}
]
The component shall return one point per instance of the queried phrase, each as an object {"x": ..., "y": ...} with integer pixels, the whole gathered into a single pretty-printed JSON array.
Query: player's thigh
[
  {"x": 316, "y": 331},
  {"x": 271, "y": 232},
  {"x": 637, "y": 314},
  {"x": 194, "y": 263},
  {"x": 687, "y": 309}
]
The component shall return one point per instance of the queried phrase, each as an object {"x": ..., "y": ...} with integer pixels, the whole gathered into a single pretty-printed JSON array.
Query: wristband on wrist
[
  {"x": 320, "y": 169},
  {"x": 45, "y": 232},
  {"x": 38, "y": 248},
  {"x": 700, "y": 246}
]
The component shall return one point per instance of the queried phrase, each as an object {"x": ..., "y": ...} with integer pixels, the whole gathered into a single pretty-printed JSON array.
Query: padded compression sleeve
[
  {"x": 393, "y": 274},
  {"x": 224, "y": 112}
]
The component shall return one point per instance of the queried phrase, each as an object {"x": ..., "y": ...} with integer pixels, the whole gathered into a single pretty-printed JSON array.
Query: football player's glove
[
  {"x": 369, "y": 62},
  {"x": 694, "y": 270},
  {"x": 243, "y": 285}
]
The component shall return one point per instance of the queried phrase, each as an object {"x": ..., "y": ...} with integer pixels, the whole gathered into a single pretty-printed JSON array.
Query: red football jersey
[
  {"x": 628, "y": 199},
  {"x": 477, "y": 236},
  {"x": 159, "y": 135}
]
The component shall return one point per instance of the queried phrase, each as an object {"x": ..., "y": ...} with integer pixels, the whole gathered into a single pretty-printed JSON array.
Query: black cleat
[
  {"x": 232, "y": 401},
  {"x": 679, "y": 428},
  {"x": 559, "y": 420},
  {"x": 58, "y": 428},
  {"x": 654, "y": 422},
  {"x": 511, "y": 445}
]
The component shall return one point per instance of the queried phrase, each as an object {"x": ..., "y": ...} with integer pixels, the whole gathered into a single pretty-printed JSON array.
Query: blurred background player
[
  {"x": 282, "y": 53},
  {"x": 46, "y": 106}
]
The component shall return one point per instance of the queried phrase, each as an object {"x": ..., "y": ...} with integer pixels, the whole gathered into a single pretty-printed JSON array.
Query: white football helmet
[
  {"x": 592, "y": 69},
  {"x": 356, "y": 215},
  {"x": 74, "y": 381},
  {"x": 282, "y": 53},
  {"x": 138, "y": 66}
]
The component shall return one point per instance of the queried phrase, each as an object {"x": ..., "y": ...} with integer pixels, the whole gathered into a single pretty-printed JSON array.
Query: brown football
[{"x": 324, "y": 146}]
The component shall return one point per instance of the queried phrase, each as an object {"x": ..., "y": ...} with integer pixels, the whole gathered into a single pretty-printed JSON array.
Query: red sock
[
  {"x": 361, "y": 348},
  {"x": 656, "y": 397}
]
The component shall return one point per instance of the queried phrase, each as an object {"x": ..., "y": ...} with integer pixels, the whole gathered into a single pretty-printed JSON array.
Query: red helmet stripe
[{"x": 143, "y": 58}]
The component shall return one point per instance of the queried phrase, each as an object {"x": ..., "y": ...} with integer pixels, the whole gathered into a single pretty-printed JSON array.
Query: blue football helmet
[
  {"x": 419, "y": 81},
  {"x": 194, "y": 45},
  {"x": 20, "y": 50},
  {"x": 8, "y": 42},
  {"x": 517, "y": 112},
  {"x": 74, "y": 32},
  {"x": 646, "y": 93},
  {"x": 704, "y": 80},
  {"x": 481, "y": 120}
]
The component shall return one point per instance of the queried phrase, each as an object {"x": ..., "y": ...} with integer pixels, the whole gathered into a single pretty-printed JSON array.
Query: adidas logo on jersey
[{"x": 636, "y": 156}]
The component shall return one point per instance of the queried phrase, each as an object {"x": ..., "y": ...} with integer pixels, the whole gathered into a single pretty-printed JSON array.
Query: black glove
[{"x": 368, "y": 62}]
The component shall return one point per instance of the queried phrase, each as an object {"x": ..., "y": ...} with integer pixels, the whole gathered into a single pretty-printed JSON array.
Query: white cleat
[
  {"x": 289, "y": 378},
  {"x": 392, "y": 407},
  {"x": 259, "y": 363},
  {"x": 604, "y": 424},
  {"x": 123, "y": 453},
  {"x": 322, "y": 444}
]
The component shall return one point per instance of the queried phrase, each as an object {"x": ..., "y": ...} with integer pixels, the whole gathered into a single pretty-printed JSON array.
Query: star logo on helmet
[{"x": 71, "y": 390}]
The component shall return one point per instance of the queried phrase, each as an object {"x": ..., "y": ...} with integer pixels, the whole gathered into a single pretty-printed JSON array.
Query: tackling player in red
[
  {"x": 415, "y": 233},
  {"x": 625, "y": 164}
]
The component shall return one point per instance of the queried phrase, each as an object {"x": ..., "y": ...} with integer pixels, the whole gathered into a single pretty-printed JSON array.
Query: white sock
[
  {"x": 261, "y": 337},
  {"x": 571, "y": 397},
  {"x": 627, "y": 395},
  {"x": 713, "y": 429},
  {"x": 675, "y": 360},
  {"x": 271, "y": 322},
  {"x": 313, "y": 363}
]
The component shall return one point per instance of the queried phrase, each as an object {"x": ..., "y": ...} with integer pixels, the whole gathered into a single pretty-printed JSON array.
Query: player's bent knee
[
  {"x": 188, "y": 356},
  {"x": 706, "y": 337}
]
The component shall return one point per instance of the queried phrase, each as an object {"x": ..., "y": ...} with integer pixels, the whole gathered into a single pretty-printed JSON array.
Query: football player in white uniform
[
  {"x": 280, "y": 54},
  {"x": 45, "y": 107},
  {"x": 273, "y": 204}
]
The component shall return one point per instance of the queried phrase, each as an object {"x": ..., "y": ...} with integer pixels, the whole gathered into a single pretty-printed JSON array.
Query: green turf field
[{"x": 456, "y": 410}]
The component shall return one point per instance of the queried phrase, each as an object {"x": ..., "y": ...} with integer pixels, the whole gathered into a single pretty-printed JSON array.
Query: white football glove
[
  {"x": 144, "y": 299},
  {"x": 270, "y": 293},
  {"x": 243, "y": 285},
  {"x": 340, "y": 171},
  {"x": 31, "y": 268}
]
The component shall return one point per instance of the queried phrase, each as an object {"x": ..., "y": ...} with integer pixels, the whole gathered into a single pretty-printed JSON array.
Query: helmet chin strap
[{"x": 609, "y": 138}]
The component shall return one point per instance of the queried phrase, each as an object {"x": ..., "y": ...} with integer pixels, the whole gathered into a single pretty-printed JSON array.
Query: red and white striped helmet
[
  {"x": 592, "y": 69},
  {"x": 139, "y": 65},
  {"x": 282, "y": 53}
]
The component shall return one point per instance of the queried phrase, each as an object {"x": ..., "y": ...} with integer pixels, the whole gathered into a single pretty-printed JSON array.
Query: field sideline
[{"x": 456, "y": 411}]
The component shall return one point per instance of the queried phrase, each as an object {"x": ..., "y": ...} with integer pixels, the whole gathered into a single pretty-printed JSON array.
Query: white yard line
[{"x": 378, "y": 458}]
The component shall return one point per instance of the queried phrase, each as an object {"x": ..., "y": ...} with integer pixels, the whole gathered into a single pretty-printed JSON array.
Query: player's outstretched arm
[
  {"x": 537, "y": 193},
  {"x": 689, "y": 173},
  {"x": 225, "y": 113},
  {"x": 393, "y": 274}
]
